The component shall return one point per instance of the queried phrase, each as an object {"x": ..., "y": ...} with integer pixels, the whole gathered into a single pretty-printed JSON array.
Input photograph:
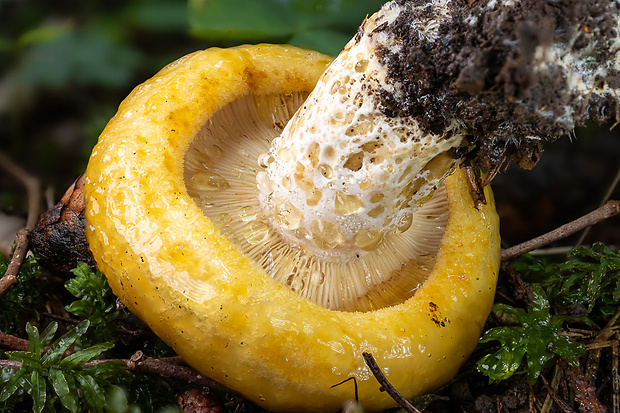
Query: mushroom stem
[
  {"x": 345, "y": 171},
  {"x": 384, "y": 125}
]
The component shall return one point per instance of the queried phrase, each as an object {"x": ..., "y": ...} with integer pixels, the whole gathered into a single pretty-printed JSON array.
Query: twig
[
  {"x": 10, "y": 342},
  {"x": 584, "y": 334},
  {"x": 608, "y": 210},
  {"x": 385, "y": 384},
  {"x": 584, "y": 390},
  {"x": 32, "y": 184},
  {"x": 557, "y": 399},
  {"x": 9, "y": 280},
  {"x": 138, "y": 362},
  {"x": 168, "y": 367},
  {"x": 175, "y": 360},
  {"x": 612, "y": 321},
  {"x": 60, "y": 318},
  {"x": 555, "y": 382},
  {"x": 601, "y": 345},
  {"x": 10, "y": 364}
]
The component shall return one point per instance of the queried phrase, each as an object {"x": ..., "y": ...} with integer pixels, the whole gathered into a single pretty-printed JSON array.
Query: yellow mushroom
[
  {"x": 272, "y": 218},
  {"x": 217, "y": 307}
]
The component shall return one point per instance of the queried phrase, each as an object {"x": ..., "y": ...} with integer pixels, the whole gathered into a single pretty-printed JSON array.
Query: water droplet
[
  {"x": 365, "y": 184},
  {"x": 255, "y": 232},
  {"x": 288, "y": 215},
  {"x": 302, "y": 234},
  {"x": 346, "y": 204},
  {"x": 375, "y": 212},
  {"x": 313, "y": 153},
  {"x": 317, "y": 278},
  {"x": 361, "y": 66},
  {"x": 368, "y": 239},
  {"x": 209, "y": 181},
  {"x": 304, "y": 183},
  {"x": 285, "y": 154},
  {"x": 265, "y": 186},
  {"x": 376, "y": 197},
  {"x": 245, "y": 152},
  {"x": 335, "y": 87},
  {"x": 298, "y": 284},
  {"x": 286, "y": 182},
  {"x": 326, "y": 235},
  {"x": 265, "y": 159},
  {"x": 314, "y": 199},
  {"x": 222, "y": 219},
  {"x": 326, "y": 171},
  {"x": 404, "y": 223},
  {"x": 247, "y": 213}
]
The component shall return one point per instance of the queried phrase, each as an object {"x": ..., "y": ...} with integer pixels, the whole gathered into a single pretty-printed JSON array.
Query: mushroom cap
[{"x": 219, "y": 310}]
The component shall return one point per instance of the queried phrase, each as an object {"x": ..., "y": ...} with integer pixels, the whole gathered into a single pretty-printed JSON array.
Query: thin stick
[
  {"x": 612, "y": 322},
  {"x": 608, "y": 210},
  {"x": 601, "y": 345},
  {"x": 140, "y": 363},
  {"x": 583, "y": 389},
  {"x": 32, "y": 184},
  {"x": 10, "y": 364},
  {"x": 10, "y": 342},
  {"x": 62, "y": 319},
  {"x": 385, "y": 384},
  {"x": 557, "y": 399},
  {"x": 9, "y": 280},
  {"x": 555, "y": 382}
]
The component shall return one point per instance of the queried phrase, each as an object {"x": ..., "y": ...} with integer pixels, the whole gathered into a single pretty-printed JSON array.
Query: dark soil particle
[
  {"x": 482, "y": 70},
  {"x": 485, "y": 404}
]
